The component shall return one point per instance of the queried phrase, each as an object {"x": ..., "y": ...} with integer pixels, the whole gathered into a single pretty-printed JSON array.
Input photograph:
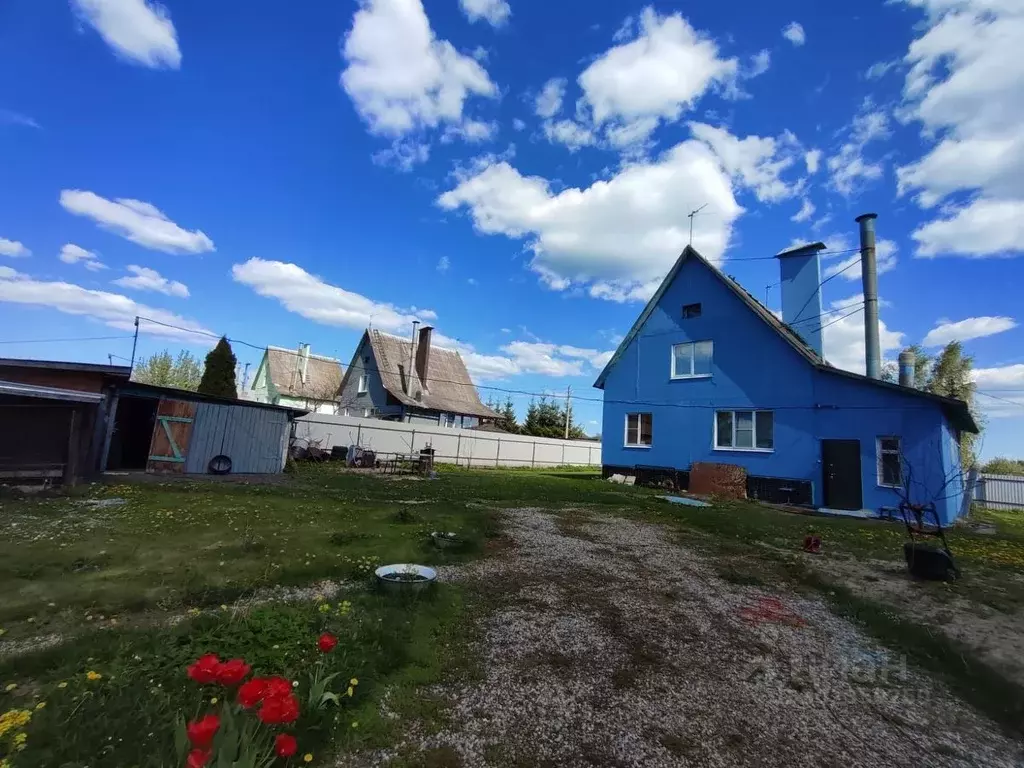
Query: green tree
[
  {"x": 547, "y": 419},
  {"x": 219, "y": 374},
  {"x": 507, "y": 421},
  {"x": 162, "y": 370},
  {"x": 1003, "y": 466},
  {"x": 951, "y": 377}
]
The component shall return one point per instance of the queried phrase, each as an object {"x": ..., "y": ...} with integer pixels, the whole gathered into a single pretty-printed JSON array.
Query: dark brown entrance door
[{"x": 841, "y": 478}]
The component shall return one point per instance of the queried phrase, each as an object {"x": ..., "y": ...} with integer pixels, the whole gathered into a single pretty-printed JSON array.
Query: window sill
[
  {"x": 890, "y": 487},
  {"x": 631, "y": 445},
  {"x": 744, "y": 450},
  {"x": 685, "y": 378}
]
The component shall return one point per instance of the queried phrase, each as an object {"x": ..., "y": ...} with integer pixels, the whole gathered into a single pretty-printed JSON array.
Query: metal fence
[
  {"x": 464, "y": 447},
  {"x": 1000, "y": 491}
]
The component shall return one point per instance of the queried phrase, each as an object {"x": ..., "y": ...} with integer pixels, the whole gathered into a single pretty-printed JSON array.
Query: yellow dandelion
[
  {"x": 40, "y": 705},
  {"x": 354, "y": 681},
  {"x": 213, "y": 700},
  {"x": 90, "y": 675},
  {"x": 307, "y": 758},
  {"x": 324, "y": 607}
]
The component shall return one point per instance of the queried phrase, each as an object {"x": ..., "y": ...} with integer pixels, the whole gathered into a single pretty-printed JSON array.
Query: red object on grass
[
  {"x": 201, "y": 732},
  {"x": 232, "y": 672},
  {"x": 812, "y": 544},
  {"x": 285, "y": 745},
  {"x": 197, "y": 758},
  {"x": 327, "y": 642},
  {"x": 205, "y": 670}
]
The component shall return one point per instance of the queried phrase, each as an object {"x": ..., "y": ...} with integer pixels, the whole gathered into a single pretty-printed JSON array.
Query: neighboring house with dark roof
[
  {"x": 297, "y": 379},
  {"x": 708, "y": 374},
  {"x": 392, "y": 378}
]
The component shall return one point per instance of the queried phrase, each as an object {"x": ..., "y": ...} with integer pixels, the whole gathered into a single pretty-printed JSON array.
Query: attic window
[{"x": 691, "y": 310}]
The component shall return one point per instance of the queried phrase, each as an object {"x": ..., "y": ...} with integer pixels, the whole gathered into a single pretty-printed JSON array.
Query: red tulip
[
  {"x": 285, "y": 745},
  {"x": 205, "y": 669},
  {"x": 276, "y": 687},
  {"x": 251, "y": 693},
  {"x": 201, "y": 732},
  {"x": 197, "y": 758},
  {"x": 327, "y": 642},
  {"x": 279, "y": 710},
  {"x": 232, "y": 672}
]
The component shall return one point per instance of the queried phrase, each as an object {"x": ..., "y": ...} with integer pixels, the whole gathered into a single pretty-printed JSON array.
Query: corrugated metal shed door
[
  {"x": 172, "y": 435},
  {"x": 251, "y": 437}
]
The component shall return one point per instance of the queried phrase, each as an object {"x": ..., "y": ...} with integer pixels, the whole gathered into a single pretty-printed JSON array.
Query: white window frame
[
  {"x": 363, "y": 386},
  {"x": 693, "y": 360},
  {"x": 639, "y": 429},
  {"x": 878, "y": 459},
  {"x": 753, "y": 411}
]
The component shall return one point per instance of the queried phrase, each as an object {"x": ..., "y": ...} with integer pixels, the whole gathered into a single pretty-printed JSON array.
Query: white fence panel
[
  {"x": 1000, "y": 491},
  {"x": 466, "y": 447}
]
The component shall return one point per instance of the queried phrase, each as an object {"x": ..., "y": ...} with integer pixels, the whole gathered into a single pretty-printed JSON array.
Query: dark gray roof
[
  {"x": 138, "y": 389},
  {"x": 955, "y": 410},
  {"x": 119, "y": 371},
  {"x": 448, "y": 387}
]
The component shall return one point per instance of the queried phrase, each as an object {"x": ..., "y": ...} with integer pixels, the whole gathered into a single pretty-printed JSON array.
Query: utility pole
[
  {"x": 568, "y": 409},
  {"x": 690, "y": 217},
  {"x": 110, "y": 358},
  {"x": 245, "y": 377},
  {"x": 135, "y": 342}
]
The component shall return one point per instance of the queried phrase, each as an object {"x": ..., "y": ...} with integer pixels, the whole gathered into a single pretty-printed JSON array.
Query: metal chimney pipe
[
  {"x": 412, "y": 358},
  {"x": 869, "y": 275},
  {"x": 907, "y": 362}
]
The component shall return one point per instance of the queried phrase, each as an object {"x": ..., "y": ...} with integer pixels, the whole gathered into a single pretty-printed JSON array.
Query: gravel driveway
[{"x": 609, "y": 645}]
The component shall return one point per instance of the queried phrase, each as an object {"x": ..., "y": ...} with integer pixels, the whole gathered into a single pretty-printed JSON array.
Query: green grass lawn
[{"x": 135, "y": 588}]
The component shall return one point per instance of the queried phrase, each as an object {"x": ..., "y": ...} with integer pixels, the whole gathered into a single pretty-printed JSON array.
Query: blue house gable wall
[{"x": 755, "y": 368}]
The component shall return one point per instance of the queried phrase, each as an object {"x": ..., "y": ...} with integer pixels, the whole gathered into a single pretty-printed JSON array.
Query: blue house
[{"x": 708, "y": 374}]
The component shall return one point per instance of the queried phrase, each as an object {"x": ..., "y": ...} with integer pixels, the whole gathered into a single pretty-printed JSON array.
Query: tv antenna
[{"x": 690, "y": 217}]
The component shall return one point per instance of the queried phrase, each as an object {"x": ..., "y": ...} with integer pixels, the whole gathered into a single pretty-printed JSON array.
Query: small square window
[
  {"x": 638, "y": 429},
  {"x": 691, "y": 311},
  {"x": 692, "y": 359}
]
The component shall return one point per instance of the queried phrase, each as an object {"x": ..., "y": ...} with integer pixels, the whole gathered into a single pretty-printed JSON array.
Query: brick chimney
[{"x": 423, "y": 354}]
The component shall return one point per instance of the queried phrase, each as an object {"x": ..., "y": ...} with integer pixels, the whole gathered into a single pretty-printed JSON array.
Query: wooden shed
[
  {"x": 47, "y": 434},
  {"x": 165, "y": 430}
]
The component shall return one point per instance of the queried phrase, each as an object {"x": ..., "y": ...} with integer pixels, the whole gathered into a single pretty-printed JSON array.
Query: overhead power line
[
  {"x": 578, "y": 398},
  {"x": 47, "y": 341}
]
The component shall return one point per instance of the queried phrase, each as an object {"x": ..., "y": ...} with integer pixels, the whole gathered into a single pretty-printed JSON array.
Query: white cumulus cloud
[
  {"x": 1000, "y": 390},
  {"x": 315, "y": 299},
  {"x": 400, "y": 77},
  {"x": 754, "y": 162},
  {"x": 494, "y": 12},
  {"x": 655, "y": 74},
  {"x": 965, "y": 87},
  {"x": 621, "y": 233},
  {"x": 137, "y": 30},
  {"x": 806, "y": 211},
  {"x": 794, "y": 32},
  {"x": 112, "y": 309},
  {"x": 965, "y": 330},
  {"x": 849, "y": 268},
  {"x": 145, "y": 279},
  {"x": 549, "y": 101},
  {"x": 75, "y": 254},
  {"x": 13, "y": 248},
  {"x": 137, "y": 221}
]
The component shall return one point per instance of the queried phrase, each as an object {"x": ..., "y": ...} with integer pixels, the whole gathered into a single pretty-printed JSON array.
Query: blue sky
[{"x": 518, "y": 174}]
